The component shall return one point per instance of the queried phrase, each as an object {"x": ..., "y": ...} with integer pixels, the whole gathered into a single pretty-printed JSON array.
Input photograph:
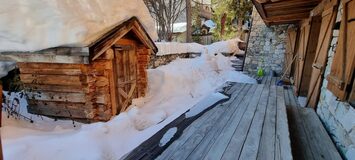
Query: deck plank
[
  {"x": 263, "y": 81},
  {"x": 320, "y": 143},
  {"x": 283, "y": 144},
  {"x": 212, "y": 136},
  {"x": 301, "y": 149},
  {"x": 195, "y": 126},
  {"x": 218, "y": 148},
  {"x": 267, "y": 147},
  {"x": 234, "y": 147},
  {"x": 251, "y": 145},
  {"x": 252, "y": 124}
]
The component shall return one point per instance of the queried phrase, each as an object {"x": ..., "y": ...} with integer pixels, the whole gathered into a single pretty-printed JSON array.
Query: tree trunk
[{"x": 189, "y": 21}]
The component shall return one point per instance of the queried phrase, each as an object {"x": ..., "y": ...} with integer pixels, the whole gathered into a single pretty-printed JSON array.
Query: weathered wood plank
[
  {"x": 44, "y": 58},
  {"x": 204, "y": 129},
  {"x": 50, "y": 110},
  {"x": 300, "y": 145},
  {"x": 321, "y": 145},
  {"x": 56, "y": 96},
  {"x": 50, "y": 79},
  {"x": 50, "y": 65},
  {"x": 267, "y": 141},
  {"x": 218, "y": 148},
  {"x": 189, "y": 131},
  {"x": 251, "y": 144},
  {"x": 235, "y": 145},
  {"x": 56, "y": 88},
  {"x": 51, "y": 71},
  {"x": 263, "y": 81},
  {"x": 200, "y": 151},
  {"x": 283, "y": 144}
]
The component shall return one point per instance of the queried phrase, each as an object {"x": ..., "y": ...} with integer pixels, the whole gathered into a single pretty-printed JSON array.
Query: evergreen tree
[{"x": 229, "y": 15}]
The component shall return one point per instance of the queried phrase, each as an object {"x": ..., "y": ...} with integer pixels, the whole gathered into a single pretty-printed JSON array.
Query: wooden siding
[
  {"x": 75, "y": 91},
  {"x": 318, "y": 67}
]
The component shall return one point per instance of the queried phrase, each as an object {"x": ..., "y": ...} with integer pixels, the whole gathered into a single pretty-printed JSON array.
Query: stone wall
[
  {"x": 266, "y": 46},
  {"x": 156, "y": 61},
  {"x": 338, "y": 117}
]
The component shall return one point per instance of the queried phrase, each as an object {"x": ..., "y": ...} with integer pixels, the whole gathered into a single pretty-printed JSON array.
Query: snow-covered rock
[{"x": 39, "y": 24}]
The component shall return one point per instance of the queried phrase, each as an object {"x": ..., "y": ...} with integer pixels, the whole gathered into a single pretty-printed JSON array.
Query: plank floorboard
[
  {"x": 218, "y": 148},
  {"x": 200, "y": 151},
  {"x": 234, "y": 147},
  {"x": 267, "y": 147},
  {"x": 251, "y": 145}
]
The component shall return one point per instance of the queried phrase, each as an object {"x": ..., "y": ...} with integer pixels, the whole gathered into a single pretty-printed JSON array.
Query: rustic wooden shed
[{"x": 88, "y": 83}]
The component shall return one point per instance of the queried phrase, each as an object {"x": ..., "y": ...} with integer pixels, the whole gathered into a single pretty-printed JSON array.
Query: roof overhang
[
  {"x": 105, "y": 42},
  {"x": 284, "y": 11}
]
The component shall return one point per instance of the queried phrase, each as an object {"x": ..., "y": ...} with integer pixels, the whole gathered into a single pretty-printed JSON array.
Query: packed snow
[
  {"x": 205, "y": 103},
  {"x": 167, "y": 136},
  {"x": 173, "y": 90},
  {"x": 39, "y": 24},
  {"x": 229, "y": 46}
]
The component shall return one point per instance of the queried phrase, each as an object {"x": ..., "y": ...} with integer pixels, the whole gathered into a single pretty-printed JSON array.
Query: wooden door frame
[{"x": 125, "y": 45}]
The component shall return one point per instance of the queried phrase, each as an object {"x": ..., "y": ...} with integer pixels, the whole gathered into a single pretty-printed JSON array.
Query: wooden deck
[
  {"x": 309, "y": 139},
  {"x": 252, "y": 124}
]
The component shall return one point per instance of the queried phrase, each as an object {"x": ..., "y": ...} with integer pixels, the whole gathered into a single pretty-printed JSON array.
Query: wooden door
[
  {"x": 320, "y": 61},
  {"x": 126, "y": 69},
  {"x": 307, "y": 53},
  {"x": 301, "y": 54},
  {"x": 290, "y": 51}
]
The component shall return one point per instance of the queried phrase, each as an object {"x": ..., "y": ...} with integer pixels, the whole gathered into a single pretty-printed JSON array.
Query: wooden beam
[
  {"x": 289, "y": 11},
  {"x": 280, "y": 5},
  {"x": 290, "y": 17},
  {"x": 259, "y": 7},
  {"x": 262, "y": 1},
  {"x": 44, "y": 58}
]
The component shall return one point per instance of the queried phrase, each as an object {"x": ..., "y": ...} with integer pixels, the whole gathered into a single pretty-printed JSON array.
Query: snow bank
[
  {"x": 173, "y": 89},
  {"x": 39, "y": 24},
  {"x": 229, "y": 46}
]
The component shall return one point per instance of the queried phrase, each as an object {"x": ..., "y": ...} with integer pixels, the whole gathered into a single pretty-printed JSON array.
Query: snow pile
[
  {"x": 39, "y": 24},
  {"x": 173, "y": 89},
  {"x": 229, "y": 46}
]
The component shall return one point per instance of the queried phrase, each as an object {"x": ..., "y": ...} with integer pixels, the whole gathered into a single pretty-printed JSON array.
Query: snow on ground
[
  {"x": 39, "y": 24},
  {"x": 229, "y": 46},
  {"x": 173, "y": 89}
]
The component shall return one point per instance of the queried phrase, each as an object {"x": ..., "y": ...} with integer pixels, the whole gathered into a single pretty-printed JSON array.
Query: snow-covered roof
[{"x": 39, "y": 24}]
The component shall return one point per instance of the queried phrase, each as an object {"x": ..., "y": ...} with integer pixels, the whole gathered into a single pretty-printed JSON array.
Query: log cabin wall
[
  {"x": 75, "y": 91},
  {"x": 80, "y": 91}
]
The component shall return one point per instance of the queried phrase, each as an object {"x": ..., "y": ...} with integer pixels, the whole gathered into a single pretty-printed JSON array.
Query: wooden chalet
[{"x": 90, "y": 83}]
